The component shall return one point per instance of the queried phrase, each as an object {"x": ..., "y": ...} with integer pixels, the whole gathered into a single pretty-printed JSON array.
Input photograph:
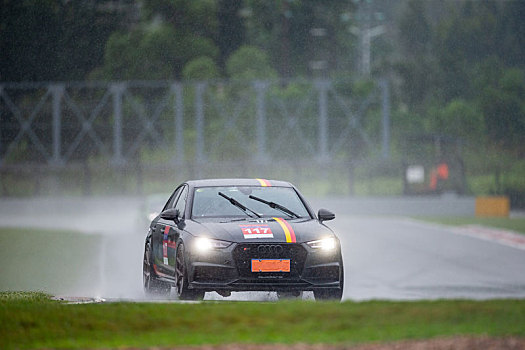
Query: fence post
[
  {"x": 179, "y": 123},
  {"x": 260, "y": 87},
  {"x": 199, "y": 123},
  {"x": 322, "y": 86},
  {"x": 385, "y": 93},
  {"x": 117, "y": 90},
  {"x": 57, "y": 91}
]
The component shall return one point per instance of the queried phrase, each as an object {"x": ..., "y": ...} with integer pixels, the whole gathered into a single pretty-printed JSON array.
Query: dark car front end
[{"x": 230, "y": 269}]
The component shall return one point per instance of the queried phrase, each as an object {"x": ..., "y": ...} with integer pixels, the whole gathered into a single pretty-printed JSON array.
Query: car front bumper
[{"x": 229, "y": 269}]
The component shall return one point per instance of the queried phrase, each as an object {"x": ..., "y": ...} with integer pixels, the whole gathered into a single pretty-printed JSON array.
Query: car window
[
  {"x": 181, "y": 202},
  {"x": 171, "y": 201},
  {"x": 208, "y": 203}
]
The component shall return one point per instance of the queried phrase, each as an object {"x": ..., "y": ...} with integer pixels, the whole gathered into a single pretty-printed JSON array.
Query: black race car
[{"x": 241, "y": 235}]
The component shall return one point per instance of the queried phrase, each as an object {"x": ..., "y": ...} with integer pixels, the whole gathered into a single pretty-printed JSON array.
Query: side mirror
[
  {"x": 325, "y": 215},
  {"x": 171, "y": 214}
]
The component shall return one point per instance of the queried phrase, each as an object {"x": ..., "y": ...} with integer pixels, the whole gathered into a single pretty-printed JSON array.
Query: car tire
[
  {"x": 152, "y": 286},
  {"x": 181, "y": 277},
  {"x": 334, "y": 294}
]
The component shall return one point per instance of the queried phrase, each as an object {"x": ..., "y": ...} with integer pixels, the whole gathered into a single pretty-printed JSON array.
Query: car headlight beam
[
  {"x": 204, "y": 244},
  {"x": 325, "y": 244}
]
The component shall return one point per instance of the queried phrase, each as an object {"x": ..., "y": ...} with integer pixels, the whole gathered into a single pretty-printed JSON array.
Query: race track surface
[{"x": 386, "y": 254}]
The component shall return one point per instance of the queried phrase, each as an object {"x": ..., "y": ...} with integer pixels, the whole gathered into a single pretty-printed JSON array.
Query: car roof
[{"x": 238, "y": 182}]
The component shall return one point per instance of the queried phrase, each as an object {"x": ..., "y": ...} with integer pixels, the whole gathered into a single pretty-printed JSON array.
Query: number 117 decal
[{"x": 256, "y": 231}]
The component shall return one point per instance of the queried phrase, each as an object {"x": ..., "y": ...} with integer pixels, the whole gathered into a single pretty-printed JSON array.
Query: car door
[
  {"x": 170, "y": 233},
  {"x": 158, "y": 230}
]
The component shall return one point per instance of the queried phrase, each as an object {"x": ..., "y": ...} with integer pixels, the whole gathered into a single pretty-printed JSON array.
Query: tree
[
  {"x": 284, "y": 29},
  {"x": 249, "y": 62},
  {"x": 155, "y": 51},
  {"x": 200, "y": 68},
  {"x": 231, "y": 32},
  {"x": 196, "y": 17},
  {"x": 460, "y": 119},
  {"x": 503, "y": 106},
  {"x": 417, "y": 66},
  {"x": 52, "y": 40}
]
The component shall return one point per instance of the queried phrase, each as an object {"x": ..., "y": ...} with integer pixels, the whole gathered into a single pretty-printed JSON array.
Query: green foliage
[
  {"x": 197, "y": 17},
  {"x": 503, "y": 106},
  {"x": 456, "y": 74},
  {"x": 153, "y": 52},
  {"x": 415, "y": 31},
  {"x": 283, "y": 29},
  {"x": 231, "y": 30},
  {"x": 457, "y": 67},
  {"x": 249, "y": 62},
  {"x": 459, "y": 119},
  {"x": 52, "y": 40},
  {"x": 200, "y": 68}
]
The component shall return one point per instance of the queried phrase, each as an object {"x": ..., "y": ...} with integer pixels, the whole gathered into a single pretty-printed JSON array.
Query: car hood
[{"x": 262, "y": 230}]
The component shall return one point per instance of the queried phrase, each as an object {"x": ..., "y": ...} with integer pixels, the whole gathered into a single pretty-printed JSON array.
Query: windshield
[{"x": 208, "y": 203}]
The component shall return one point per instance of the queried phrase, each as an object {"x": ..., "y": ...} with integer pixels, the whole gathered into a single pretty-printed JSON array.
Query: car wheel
[
  {"x": 152, "y": 286},
  {"x": 181, "y": 277},
  {"x": 331, "y": 293}
]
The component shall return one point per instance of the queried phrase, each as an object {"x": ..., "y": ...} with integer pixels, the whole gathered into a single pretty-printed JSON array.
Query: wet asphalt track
[{"x": 387, "y": 255}]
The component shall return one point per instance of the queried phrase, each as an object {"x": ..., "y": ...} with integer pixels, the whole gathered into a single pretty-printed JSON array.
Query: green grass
[
  {"x": 31, "y": 321},
  {"x": 47, "y": 260},
  {"x": 513, "y": 224}
]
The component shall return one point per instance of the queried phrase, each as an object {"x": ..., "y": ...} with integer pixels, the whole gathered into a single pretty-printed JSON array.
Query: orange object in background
[
  {"x": 439, "y": 173},
  {"x": 442, "y": 171},
  {"x": 433, "y": 180},
  {"x": 492, "y": 206}
]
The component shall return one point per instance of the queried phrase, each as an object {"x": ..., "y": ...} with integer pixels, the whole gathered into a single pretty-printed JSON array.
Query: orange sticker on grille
[{"x": 270, "y": 265}]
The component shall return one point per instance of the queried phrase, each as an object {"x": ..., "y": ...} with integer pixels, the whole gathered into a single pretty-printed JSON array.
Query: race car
[{"x": 228, "y": 235}]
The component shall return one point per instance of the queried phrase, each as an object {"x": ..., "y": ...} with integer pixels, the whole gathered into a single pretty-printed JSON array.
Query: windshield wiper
[
  {"x": 274, "y": 205},
  {"x": 239, "y": 205}
]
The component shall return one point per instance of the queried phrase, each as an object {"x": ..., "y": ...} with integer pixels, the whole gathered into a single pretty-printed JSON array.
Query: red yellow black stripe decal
[
  {"x": 264, "y": 183},
  {"x": 288, "y": 230}
]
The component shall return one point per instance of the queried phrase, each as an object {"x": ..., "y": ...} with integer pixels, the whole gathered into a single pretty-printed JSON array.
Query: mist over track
[{"x": 387, "y": 255}]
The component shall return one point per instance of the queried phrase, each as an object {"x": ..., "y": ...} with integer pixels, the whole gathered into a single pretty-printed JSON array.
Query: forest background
[{"x": 456, "y": 68}]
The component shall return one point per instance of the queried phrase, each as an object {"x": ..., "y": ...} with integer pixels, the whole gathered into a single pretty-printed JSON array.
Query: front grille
[{"x": 244, "y": 253}]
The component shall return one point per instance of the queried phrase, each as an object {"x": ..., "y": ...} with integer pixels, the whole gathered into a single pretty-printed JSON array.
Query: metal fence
[{"x": 194, "y": 124}]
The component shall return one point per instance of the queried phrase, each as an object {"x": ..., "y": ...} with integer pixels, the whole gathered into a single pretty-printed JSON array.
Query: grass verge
[
  {"x": 513, "y": 224},
  {"x": 47, "y": 260},
  {"x": 30, "y": 320}
]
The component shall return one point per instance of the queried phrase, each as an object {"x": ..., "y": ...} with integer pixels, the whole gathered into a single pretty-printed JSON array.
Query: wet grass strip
[{"x": 32, "y": 320}]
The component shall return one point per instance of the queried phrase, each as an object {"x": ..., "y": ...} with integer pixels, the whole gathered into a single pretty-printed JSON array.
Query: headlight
[
  {"x": 323, "y": 244},
  {"x": 203, "y": 244}
]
